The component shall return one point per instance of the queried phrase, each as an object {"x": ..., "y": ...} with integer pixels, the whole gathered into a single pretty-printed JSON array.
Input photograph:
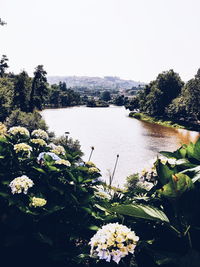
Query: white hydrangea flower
[
  {"x": 58, "y": 150},
  {"x": 145, "y": 185},
  {"x": 52, "y": 155},
  {"x": 113, "y": 242},
  {"x": 93, "y": 170},
  {"x": 22, "y": 147},
  {"x": 21, "y": 185},
  {"x": 38, "y": 141},
  {"x": 164, "y": 160},
  {"x": 63, "y": 162},
  {"x": 90, "y": 164},
  {"x": 3, "y": 130},
  {"x": 40, "y": 134},
  {"x": 19, "y": 130},
  {"x": 38, "y": 202}
]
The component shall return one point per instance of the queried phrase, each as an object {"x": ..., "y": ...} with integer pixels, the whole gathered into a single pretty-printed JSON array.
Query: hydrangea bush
[
  {"x": 55, "y": 211},
  {"x": 46, "y": 200}
]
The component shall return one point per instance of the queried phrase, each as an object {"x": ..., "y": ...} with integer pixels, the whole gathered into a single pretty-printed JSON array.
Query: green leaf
[
  {"x": 172, "y": 155},
  {"x": 100, "y": 207},
  {"x": 164, "y": 257},
  {"x": 164, "y": 172},
  {"x": 178, "y": 184},
  {"x": 196, "y": 154},
  {"x": 93, "y": 227},
  {"x": 190, "y": 150},
  {"x": 182, "y": 152},
  {"x": 141, "y": 211},
  {"x": 39, "y": 170},
  {"x": 2, "y": 194},
  {"x": 193, "y": 173}
]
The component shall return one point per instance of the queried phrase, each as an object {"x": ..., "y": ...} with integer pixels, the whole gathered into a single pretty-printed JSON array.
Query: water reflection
[
  {"x": 187, "y": 136},
  {"x": 112, "y": 132}
]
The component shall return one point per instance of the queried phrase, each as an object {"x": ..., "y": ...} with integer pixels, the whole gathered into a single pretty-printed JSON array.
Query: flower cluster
[
  {"x": 113, "y": 242},
  {"x": 18, "y": 130},
  {"x": 40, "y": 134},
  {"x": 21, "y": 185},
  {"x": 93, "y": 170},
  {"x": 149, "y": 173},
  {"x": 63, "y": 162},
  {"x": 58, "y": 150},
  {"x": 39, "y": 142},
  {"x": 38, "y": 202},
  {"x": 22, "y": 147},
  {"x": 52, "y": 155},
  {"x": 3, "y": 130},
  {"x": 90, "y": 164},
  {"x": 144, "y": 185},
  {"x": 164, "y": 160}
]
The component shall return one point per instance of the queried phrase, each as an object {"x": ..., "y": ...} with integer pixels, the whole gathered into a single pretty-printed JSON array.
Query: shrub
[
  {"x": 167, "y": 216},
  {"x": 29, "y": 120},
  {"x": 46, "y": 203}
]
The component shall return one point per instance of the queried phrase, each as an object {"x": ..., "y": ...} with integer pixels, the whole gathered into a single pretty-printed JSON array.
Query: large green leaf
[
  {"x": 141, "y": 211},
  {"x": 196, "y": 154},
  {"x": 169, "y": 154},
  {"x": 190, "y": 150},
  {"x": 164, "y": 172},
  {"x": 178, "y": 184},
  {"x": 193, "y": 173}
]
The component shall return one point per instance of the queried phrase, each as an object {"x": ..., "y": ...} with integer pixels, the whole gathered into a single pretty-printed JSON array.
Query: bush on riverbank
[{"x": 158, "y": 120}]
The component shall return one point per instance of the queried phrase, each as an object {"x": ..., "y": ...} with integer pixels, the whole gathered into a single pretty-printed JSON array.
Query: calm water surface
[{"x": 112, "y": 132}]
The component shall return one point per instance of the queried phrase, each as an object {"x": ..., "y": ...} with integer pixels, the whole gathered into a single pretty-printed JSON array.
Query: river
[{"x": 112, "y": 132}]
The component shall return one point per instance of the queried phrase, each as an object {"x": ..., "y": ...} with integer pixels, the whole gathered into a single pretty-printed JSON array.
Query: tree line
[
  {"x": 168, "y": 96},
  {"x": 20, "y": 91}
]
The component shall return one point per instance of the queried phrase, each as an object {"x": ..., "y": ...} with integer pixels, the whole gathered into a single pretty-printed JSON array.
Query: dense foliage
[
  {"x": 20, "y": 91},
  {"x": 52, "y": 203},
  {"x": 46, "y": 200},
  {"x": 169, "y": 97}
]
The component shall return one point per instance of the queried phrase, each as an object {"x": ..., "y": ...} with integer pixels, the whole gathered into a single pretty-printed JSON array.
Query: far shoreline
[{"x": 165, "y": 121}]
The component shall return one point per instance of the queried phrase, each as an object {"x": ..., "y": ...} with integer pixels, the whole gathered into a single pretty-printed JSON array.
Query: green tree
[
  {"x": 62, "y": 86},
  {"x": 191, "y": 94},
  {"x": 170, "y": 84},
  {"x": 54, "y": 96},
  {"x": 39, "y": 88},
  {"x": 157, "y": 95},
  {"x": 3, "y": 65},
  {"x": 22, "y": 89},
  {"x": 119, "y": 100},
  {"x": 6, "y": 97},
  {"x": 177, "y": 109},
  {"x": 105, "y": 96}
]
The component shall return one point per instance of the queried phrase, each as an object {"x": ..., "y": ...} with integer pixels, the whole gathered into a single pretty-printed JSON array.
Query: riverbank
[{"x": 165, "y": 121}]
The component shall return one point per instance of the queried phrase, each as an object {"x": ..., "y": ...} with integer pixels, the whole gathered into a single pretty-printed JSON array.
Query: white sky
[{"x": 134, "y": 39}]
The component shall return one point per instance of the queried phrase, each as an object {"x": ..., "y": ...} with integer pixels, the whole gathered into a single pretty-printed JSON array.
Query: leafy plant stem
[
  {"x": 174, "y": 229},
  {"x": 189, "y": 239}
]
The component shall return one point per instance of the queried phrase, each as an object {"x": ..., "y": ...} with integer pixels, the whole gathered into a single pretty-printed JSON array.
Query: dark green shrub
[
  {"x": 28, "y": 120},
  {"x": 47, "y": 220}
]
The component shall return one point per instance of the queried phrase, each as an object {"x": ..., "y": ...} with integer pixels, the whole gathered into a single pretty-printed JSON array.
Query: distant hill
[{"x": 106, "y": 83}]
